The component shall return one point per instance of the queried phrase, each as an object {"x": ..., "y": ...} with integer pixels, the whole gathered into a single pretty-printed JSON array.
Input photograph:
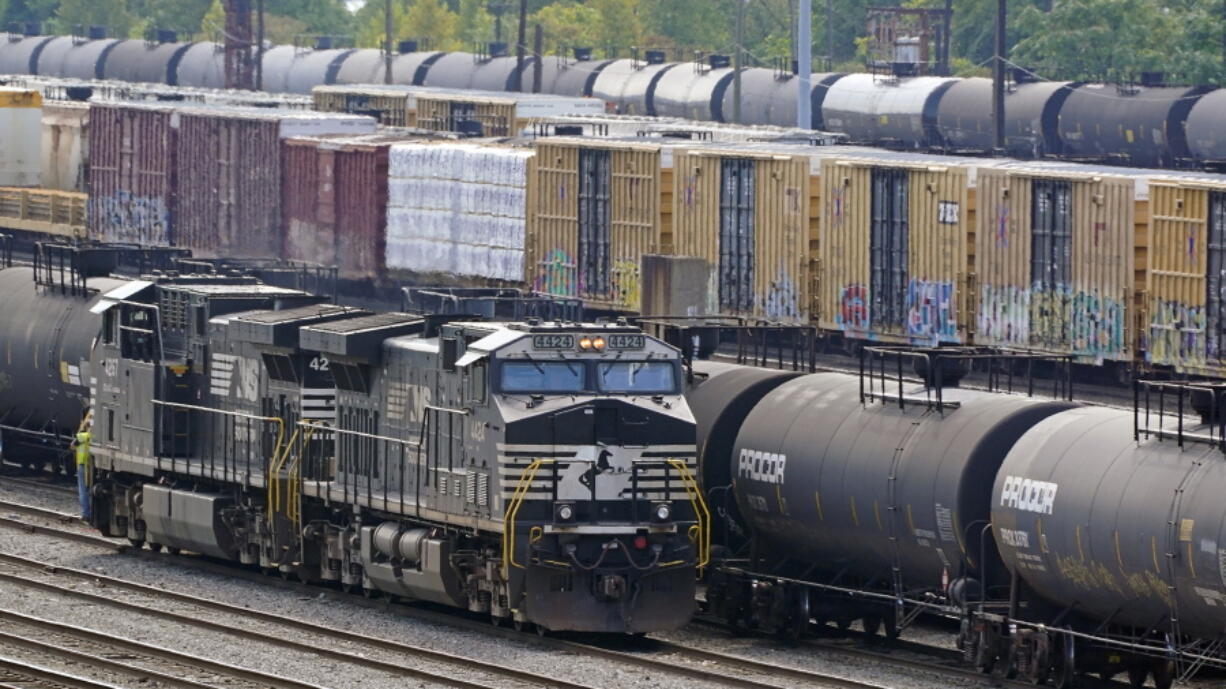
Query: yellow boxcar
[
  {"x": 1185, "y": 282},
  {"x": 388, "y": 104},
  {"x": 1054, "y": 253},
  {"x": 895, "y": 249},
  {"x": 599, "y": 207},
  {"x": 747, "y": 212}
]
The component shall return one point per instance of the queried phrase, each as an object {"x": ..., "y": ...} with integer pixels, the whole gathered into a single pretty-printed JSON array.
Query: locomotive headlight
[
  {"x": 585, "y": 342},
  {"x": 661, "y": 512},
  {"x": 563, "y": 512},
  {"x": 598, "y": 344}
]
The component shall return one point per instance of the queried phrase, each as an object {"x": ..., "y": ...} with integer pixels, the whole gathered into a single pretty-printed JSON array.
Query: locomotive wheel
[
  {"x": 1136, "y": 675},
  {"x": 1164, "y": 674}
]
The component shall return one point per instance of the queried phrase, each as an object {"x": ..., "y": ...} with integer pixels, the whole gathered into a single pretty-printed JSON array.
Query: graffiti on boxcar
[
  {"x": 1004, "y": 315},
  {"x": 557, "y": 275},
  {"x": 123, "y": 217},
  {"x": 627, "y": 284},
  {"x": 932, "y": 314},
  {"x": 853, "y": 308},
  {"x": 1083, "y": 323},
  {"x": 1176, "y": 334},
  {"x": 782, "y": 299}
]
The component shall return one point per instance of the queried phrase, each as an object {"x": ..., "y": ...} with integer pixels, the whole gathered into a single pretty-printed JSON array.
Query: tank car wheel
[
  {"x": 172, "y": 550},
  {"x": 136, "y": 543},
  {"x": 1065, "y": 676},
  {"x": 1137, "y": 674},
  {"x": 892, "y": 631},
  {"x": 843, "y": 624},
  {"x": 520, "y": 625},
  {"x": 541, "y": 631},
  {"x": 1164, "y": 674},
  {"x": 370, "y": 593},
  {"x": 872, "y": 626},
  {"x": 155, "y": 547},
  {"x": 349, "y": 589},
  {"x": 985, "y": 659}
]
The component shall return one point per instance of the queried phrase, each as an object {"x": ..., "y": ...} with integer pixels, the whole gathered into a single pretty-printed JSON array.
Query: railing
[
  {"x": 237, "y": 443},
  {"x": 757, "y": 343},
  {"x": 890, "y": 374},
  {"x": 51, "y": 212},
  {"x": 1154, "y": 409}
]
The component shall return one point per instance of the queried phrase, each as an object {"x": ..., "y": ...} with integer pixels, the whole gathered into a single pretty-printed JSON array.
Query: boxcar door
[
  {"x": 736, "y": 235},
  {"x": 594, "y": 222},
  {"x": 1051, "y": 258},
  {"x": 889, "y": 249},
  {"x": 1215, "y": 297}
]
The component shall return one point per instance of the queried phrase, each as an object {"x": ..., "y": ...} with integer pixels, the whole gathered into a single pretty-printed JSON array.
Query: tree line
[{"x": 1057, "y": 39}]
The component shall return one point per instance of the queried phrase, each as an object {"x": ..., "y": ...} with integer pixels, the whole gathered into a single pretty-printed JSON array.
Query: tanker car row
[
  {"x": 1066, "y": 539},
  {"x": 1150, "y": 125},
  {"x": 555, "y": 474}
]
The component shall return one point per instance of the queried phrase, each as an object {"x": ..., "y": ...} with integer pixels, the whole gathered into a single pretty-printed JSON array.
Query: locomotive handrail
[
  {"x": 279, "y": 456},
  {"x": 277, "y": 447},
  {"x": 700, "y": 510},
  {"x": 517, "y": 501}
]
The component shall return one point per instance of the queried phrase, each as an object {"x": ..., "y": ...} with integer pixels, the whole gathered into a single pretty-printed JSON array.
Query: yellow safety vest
[{"x": 83, "y": 439}]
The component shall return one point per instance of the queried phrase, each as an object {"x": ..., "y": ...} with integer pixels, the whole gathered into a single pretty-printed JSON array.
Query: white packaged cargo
[
  {"x": 21, "y": 114},
  {"x": 458, "y": 209},
  {"x": 65, "y": 145}
]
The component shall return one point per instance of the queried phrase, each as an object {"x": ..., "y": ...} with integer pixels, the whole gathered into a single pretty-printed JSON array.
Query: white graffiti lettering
[
  {"x": 766, "y": 467},
  {"x": 1028, "y": 495}
]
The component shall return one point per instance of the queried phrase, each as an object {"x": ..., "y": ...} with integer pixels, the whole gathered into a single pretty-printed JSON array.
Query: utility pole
[
  {"x": 946, "y": 29},
  {"x": 829, "y": 35},
  {"x": 804, "y": 65},
  {"x": 538, "y": 65},
  {"x": 521, "y": 45},
  {"x": 738, "y": 61},
  {"x": 238, "y": 57},
  {"x": 259, "y": 39},
  {"x": 387, "y": 41},
  {"x": 998, "y": 78}
]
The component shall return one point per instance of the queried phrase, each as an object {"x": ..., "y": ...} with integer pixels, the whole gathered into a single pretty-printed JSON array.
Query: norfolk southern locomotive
[{"x": 537, "y": 472}]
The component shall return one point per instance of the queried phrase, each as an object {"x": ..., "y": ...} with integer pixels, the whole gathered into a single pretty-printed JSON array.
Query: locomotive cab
[{"x": 596, "y": 465}]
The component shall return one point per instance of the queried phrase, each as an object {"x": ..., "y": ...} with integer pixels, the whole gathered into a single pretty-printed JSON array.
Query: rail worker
[{"x": 81, "y": 445}]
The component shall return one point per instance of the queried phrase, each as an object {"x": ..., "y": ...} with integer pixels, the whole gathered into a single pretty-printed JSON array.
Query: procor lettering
[
  {"x": 1028, "y": 495},
  {"x": 766, "y": 467}
]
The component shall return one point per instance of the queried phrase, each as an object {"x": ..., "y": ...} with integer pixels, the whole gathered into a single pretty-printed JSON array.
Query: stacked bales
[{"x": 458, "y": 209}]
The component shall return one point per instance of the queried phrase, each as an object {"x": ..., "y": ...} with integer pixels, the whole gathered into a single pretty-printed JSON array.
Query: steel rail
[
  {"x": 44, "y": 675},
  {"x": 260, "y": 679},
  {"x": 271, "y": 618}
]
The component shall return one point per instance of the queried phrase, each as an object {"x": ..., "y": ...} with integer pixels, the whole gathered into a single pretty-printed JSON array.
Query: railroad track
[
  {"x": 655, "y": 655},
  {"x": 79, "y": 646},
  {"x": 22, "y": 674}
]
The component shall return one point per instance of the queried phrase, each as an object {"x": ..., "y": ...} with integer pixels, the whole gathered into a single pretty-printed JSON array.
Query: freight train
[
  {"x": 1146, "y": 125},
  {"x": 1066, "y": 539},
  {"x": 538, "y": 472}
]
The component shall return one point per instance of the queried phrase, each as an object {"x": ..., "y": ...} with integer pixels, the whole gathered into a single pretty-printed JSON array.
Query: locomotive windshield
[
  {"x": 643, "y": 377},
  {"x": 542, "y": 376}
]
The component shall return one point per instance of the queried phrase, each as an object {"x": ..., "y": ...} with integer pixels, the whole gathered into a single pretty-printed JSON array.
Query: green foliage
[
  {"x": 474, "y": 25},
  {"x": 79, "y": 13},
  {"x": 413, "y": 19}
]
